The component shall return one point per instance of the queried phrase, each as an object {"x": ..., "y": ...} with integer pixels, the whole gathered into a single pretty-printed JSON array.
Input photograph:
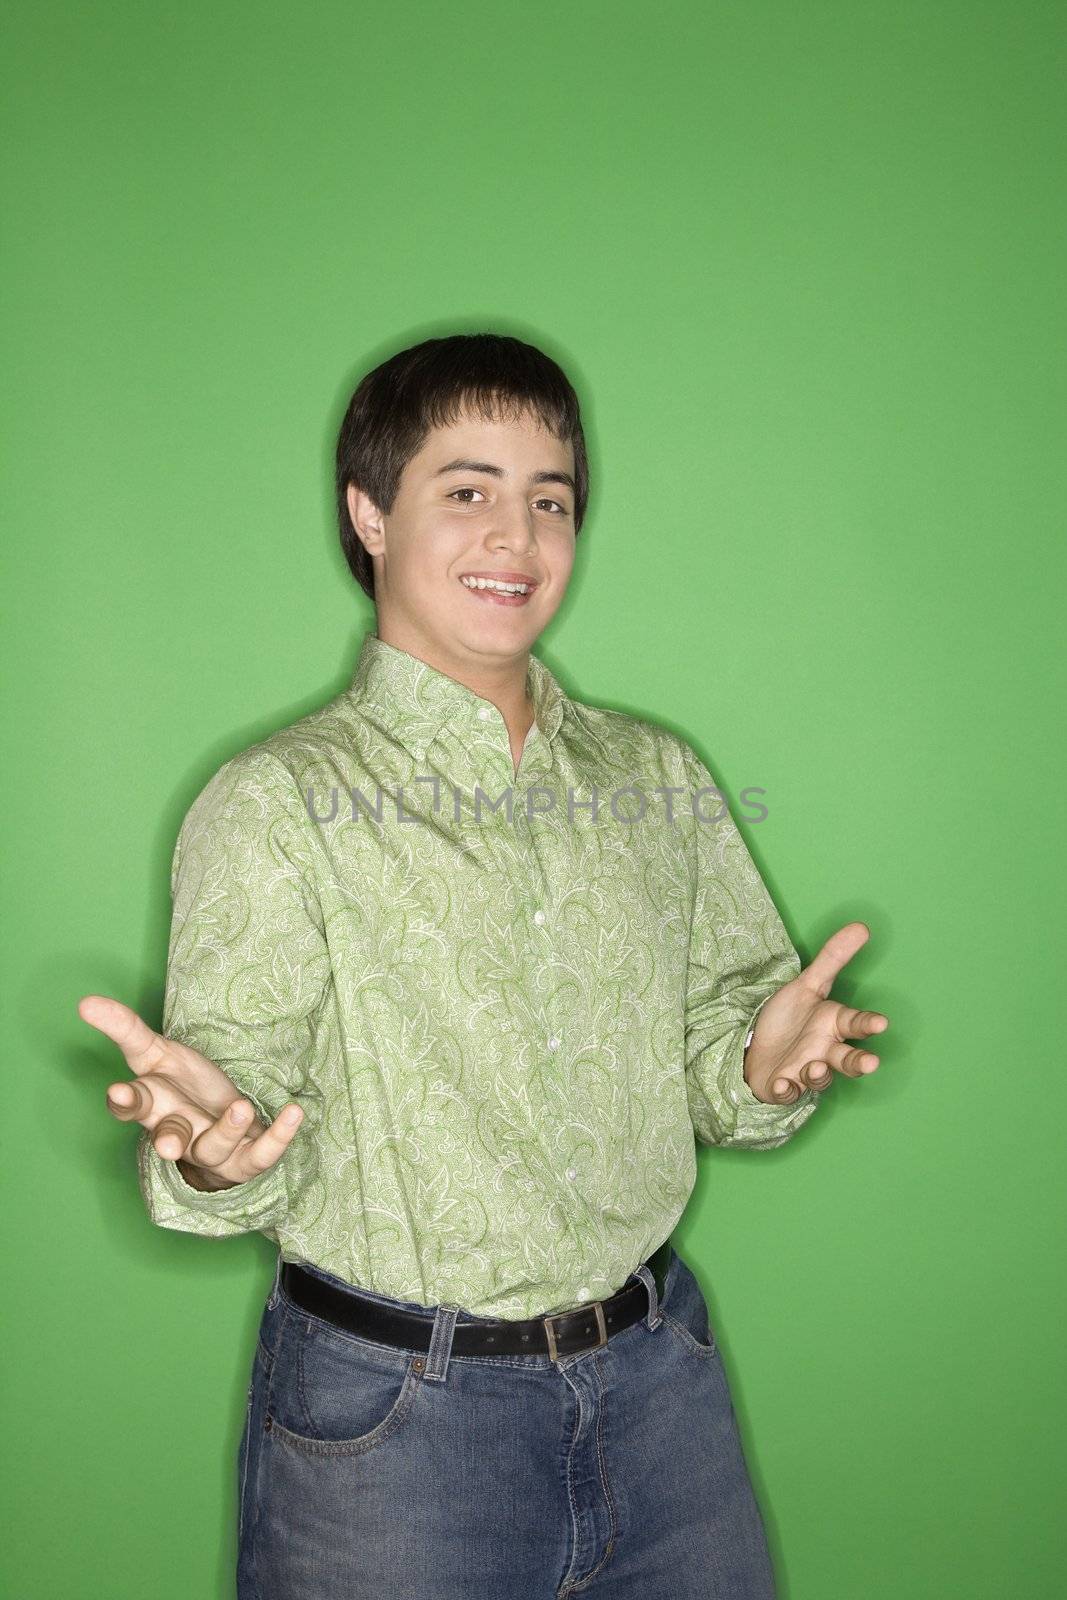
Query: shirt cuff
[
  {"x": 240, "y": 1195},
  {"x": 257, "y": 1203}
]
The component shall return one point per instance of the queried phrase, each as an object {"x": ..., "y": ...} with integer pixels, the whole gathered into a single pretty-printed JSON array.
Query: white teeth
[{"x": 491, "y": 583}]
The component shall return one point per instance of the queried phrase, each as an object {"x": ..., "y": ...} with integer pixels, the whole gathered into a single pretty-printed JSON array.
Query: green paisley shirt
[{"x": 509, "y": 1003}]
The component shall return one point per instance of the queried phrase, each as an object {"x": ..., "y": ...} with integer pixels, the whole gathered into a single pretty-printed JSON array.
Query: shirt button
[
  {"x": 583, "y": 1293},
  {"x": 420, "y": 755},
  {"x": 539, "y": 917},
  {"x": 485, "y": 713},
  {"x": 571, "y": 1173},
  {"x": 553, "y": 1043}
]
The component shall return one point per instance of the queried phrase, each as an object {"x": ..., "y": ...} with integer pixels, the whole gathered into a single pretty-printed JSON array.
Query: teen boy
[{"x": 460, "y": 969}]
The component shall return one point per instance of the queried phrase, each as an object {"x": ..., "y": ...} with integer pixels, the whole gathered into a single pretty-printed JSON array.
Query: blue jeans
[{"x": 366, "y": 1470}]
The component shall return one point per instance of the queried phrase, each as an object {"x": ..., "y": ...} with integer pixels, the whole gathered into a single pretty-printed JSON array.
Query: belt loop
[
  {"x": 444, "y": 1323},
  {"x": 644, "y": 1272},
  {"x": 273, "y": 1300}
]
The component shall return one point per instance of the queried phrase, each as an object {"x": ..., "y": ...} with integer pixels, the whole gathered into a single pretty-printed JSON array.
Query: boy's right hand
[{"x": 191, "y": 1108}]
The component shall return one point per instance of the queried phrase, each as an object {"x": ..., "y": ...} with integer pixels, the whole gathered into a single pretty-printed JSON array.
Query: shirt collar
[{"x": 414, "y": 700}]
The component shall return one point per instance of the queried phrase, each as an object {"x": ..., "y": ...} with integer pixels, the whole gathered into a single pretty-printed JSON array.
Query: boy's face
[{"x": 509, "y": 513}]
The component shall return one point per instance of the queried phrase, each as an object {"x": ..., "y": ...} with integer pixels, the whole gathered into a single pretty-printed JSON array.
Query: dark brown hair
[{"x": 431, "y": 385}]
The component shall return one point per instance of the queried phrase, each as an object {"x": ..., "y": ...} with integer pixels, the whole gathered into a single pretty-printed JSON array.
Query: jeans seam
[
  {"x": 243, "y": 1486},
  {"x": 300, "y": 1392},
  {"x": 567, "y": 1585},
  {"x": 274, "y": 1363},
  {"x": 609, "y": 1548},
  {"x": 250, "y": 1535}
]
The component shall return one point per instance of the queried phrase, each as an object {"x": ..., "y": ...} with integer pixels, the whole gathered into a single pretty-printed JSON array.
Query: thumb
[
  {"x": 123, "y": 1026},
  {"x": 839, "y": 948}
]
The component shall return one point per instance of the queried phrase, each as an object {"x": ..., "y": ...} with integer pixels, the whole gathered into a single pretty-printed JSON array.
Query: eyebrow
[{"x": 463, "y": 465}]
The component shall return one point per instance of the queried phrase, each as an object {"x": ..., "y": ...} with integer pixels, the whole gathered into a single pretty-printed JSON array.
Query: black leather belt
[{"x": 567, "y": 1333}]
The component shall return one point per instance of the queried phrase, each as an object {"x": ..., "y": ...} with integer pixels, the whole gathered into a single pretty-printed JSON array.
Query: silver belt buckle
[{"x": 602, "y": 1329}]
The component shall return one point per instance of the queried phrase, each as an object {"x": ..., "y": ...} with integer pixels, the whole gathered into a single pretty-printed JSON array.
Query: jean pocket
[
  {"x": 333, "y": 1394},
  {"x": 685, "y": 1312}
]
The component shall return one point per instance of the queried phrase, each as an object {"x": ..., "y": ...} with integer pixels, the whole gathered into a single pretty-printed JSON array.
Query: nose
[{"x": 513, "y": 531}]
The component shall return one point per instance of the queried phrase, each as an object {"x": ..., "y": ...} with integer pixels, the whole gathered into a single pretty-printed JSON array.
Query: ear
[{"x": 366, "y": 519}]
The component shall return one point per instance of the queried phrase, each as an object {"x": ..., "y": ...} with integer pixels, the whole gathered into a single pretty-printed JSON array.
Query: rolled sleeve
[
  {"x": 739, "y": 956},
  {"x": 248, "y": 976}
]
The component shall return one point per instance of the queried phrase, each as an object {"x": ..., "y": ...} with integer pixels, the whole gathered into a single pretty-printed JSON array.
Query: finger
[
  {"x": 130, "y": 1101},
  {"x": 816, "y": 1075},
  {"x": 271, "y": 1145},
  {"x": 216, "y": 1145},
  {"x": 812, "y": 1075},
  {"x": 785, "y": 1090},
  {"x": 853, "y": 1024},
  {"x": 846, "y": 1059},
  {"x": 172, "y": 1136},
  {"x": 838, "y": 949},
  {"x": 850, "y": 1060},
  {"x": 139, "y": 1043}
]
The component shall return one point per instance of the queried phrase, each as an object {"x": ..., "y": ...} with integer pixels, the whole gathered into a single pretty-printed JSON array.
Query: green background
[{"x": 801, "y": 262}]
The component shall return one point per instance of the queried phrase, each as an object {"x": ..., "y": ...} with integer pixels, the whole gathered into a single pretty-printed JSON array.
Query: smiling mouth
[{"x": 501, "y": 591}]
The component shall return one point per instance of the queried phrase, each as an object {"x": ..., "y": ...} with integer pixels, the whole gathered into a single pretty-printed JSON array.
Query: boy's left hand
[{"x": 799, "y": 1039}]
